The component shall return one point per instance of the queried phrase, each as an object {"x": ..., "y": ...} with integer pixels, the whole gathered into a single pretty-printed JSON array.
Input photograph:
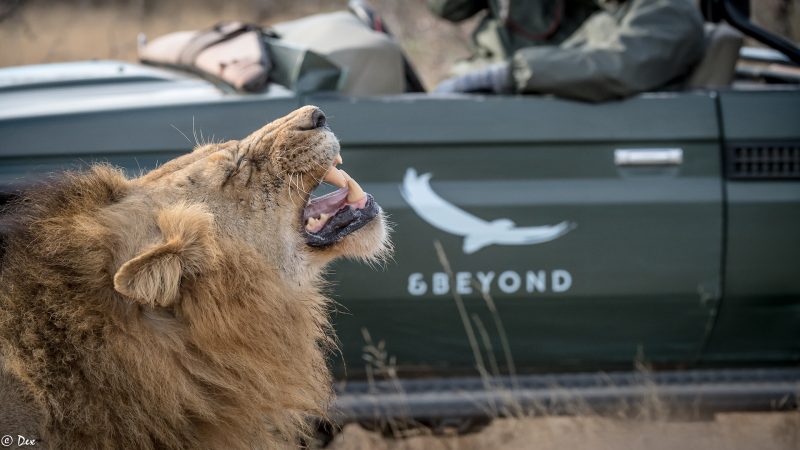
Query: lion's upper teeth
[
  {"x": 355, "y": 194},
  {"x": 320, "y": 210},
  {"x": 338, "y": 160},
  {"x": 335, "y": 177}
]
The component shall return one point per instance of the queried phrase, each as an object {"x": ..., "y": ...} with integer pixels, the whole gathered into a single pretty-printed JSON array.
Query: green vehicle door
[
  {"x": 758, "y": 320},
  {"x": 595, "y": 229}
]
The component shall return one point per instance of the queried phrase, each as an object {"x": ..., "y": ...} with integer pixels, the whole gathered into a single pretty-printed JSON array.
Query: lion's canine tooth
[
  {"x": 334, "y": 176},
  {"x": 324, "y": 217},
  {"x": 338, "y": 160},
  {"x": 355, "y": 193}
]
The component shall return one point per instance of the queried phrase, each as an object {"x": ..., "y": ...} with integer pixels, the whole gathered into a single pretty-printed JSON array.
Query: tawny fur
[{"x": 181, "y": 309}]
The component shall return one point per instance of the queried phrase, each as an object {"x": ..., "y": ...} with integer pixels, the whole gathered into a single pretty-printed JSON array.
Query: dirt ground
[{"x": 730, "y": 431}]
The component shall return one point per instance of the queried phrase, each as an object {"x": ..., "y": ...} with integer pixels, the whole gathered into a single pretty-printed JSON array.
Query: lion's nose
[{"x": 318, "y": 119}]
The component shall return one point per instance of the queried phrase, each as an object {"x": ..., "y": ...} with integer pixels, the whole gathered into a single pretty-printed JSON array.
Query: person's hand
[{"x": 495, "y": 78}]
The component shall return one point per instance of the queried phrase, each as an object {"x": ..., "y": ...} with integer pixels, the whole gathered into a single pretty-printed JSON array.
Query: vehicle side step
[{"x": 703, "y": 390}]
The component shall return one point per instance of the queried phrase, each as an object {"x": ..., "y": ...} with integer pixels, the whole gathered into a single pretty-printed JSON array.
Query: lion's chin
[{"x": 370, "y": 243}]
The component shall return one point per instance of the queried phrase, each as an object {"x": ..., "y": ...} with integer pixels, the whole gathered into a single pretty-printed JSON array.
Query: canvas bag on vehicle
[{"x": 318, "y": 53}]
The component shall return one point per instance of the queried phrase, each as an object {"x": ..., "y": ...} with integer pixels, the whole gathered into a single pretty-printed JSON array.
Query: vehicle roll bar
[{"x": 737, "y": 13}]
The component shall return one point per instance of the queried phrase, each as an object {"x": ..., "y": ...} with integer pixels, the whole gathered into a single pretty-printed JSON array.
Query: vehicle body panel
[
  {"x": 644, "y": 257},
  {"x": 133, "y": 123},
  {"x": 759, "y": 319},
  {"x": 644, "y": 252}
]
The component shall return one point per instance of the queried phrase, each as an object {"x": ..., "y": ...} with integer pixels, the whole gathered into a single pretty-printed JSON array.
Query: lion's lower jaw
[{"x": 371, "y": 244}]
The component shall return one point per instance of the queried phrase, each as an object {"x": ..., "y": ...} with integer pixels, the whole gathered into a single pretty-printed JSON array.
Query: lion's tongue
[{"x": 319, "y": 210}]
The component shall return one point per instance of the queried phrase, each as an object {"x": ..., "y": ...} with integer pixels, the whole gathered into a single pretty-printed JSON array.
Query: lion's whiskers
[
  {"x": 295, "y": 180},
  {"x": 297, "y": 183},
  {"x": 291, "y": 194}
]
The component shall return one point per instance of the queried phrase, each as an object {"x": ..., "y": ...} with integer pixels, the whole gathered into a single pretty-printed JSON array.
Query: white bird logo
[{"x": 477, "y": 233}]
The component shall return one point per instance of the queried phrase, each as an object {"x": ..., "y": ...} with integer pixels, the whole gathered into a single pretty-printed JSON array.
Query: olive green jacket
[
  {"x": 510, "y": 25},
  {"x": 638, "y": 46},
  {"x": 643, "y": 45}
]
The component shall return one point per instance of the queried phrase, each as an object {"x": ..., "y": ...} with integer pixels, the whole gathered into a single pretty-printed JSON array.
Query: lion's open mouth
[{"x": 330, "y": 218}]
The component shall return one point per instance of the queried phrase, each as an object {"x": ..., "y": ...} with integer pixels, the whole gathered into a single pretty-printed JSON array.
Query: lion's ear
[{"x": 154, "y": 276}]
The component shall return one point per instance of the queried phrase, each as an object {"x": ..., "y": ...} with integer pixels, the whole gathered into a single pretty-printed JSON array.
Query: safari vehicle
[{"x": 572, "y": 237}]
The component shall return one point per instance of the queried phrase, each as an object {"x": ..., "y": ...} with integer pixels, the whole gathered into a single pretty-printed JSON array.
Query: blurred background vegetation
[{"x": 38, "y": 31}]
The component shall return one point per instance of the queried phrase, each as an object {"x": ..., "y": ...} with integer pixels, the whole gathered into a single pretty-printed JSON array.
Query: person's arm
[
  {"x": 655, "y": 42},
  {"x": 492, "y": 79},
  {"x": 457, "y": 10}
]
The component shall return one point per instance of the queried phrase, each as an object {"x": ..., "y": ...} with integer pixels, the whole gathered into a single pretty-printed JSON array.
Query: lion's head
[
  {"x": 191, "y": 294},
  {"x": 258, "y": 190}
]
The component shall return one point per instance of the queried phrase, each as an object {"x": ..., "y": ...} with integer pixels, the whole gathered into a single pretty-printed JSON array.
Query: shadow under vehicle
[{"x": 663, "y": 227}]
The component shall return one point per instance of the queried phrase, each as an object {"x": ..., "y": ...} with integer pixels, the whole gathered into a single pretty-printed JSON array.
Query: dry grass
[
  {"x": 730, "y": 431},
  {"x": 647, "y": 423}
]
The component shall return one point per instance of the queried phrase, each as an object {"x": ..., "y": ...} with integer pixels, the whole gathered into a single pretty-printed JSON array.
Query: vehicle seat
[
  {"x": 371, "y": 61},
  {"x": 718, "y": 65}
]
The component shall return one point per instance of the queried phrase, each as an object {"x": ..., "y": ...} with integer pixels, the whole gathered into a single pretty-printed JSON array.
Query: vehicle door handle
[{"x": 628, "y": 157}]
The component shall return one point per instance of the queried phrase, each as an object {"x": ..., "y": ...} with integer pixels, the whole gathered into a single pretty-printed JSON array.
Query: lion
[{"x": 183, "y": 309}]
